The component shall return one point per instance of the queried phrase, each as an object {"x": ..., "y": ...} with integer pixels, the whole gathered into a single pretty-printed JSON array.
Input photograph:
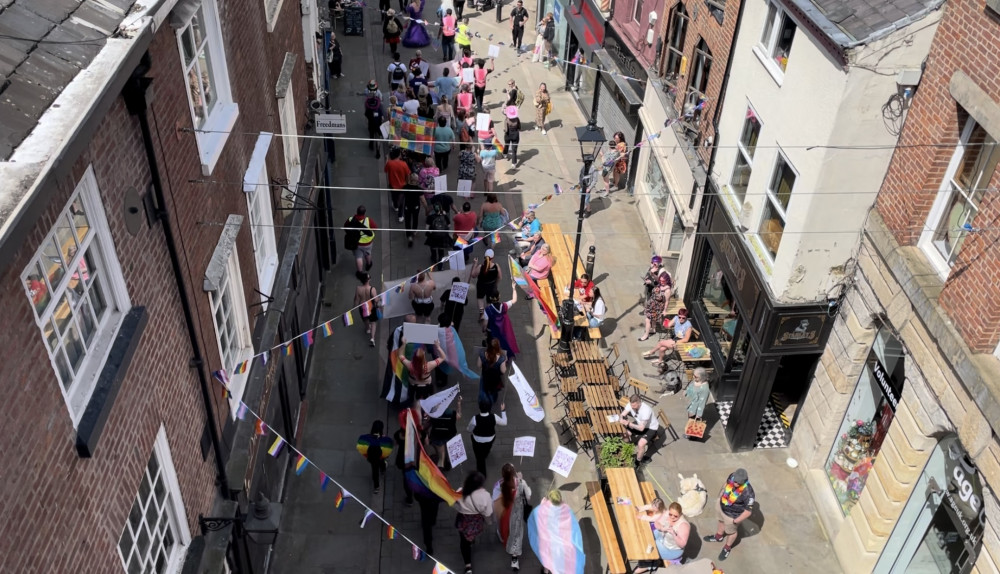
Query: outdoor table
[
  {"x": 601, "y": 425},
  {"x": 586, "y": 351},
  {"x": 683, "y": 349},
  {"x": 593, "y": 373},
  {"x": 600, "y": 397},
  {"x": 636, "y": 536}
]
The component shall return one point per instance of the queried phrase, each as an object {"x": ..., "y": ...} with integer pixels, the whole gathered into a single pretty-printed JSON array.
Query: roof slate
[
  {"x": 36, "y": 63},
  {"x": 849, "y": 22}
]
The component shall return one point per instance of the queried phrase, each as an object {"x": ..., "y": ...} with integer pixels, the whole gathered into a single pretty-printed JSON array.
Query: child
[{"x": 375, "y": 448}]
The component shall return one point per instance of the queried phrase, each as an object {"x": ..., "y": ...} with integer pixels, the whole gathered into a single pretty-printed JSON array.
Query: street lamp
[{"x": 591, "y": 138}]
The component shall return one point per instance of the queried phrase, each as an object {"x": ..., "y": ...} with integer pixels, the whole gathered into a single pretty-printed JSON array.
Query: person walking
[
  {"x": 449, "y": 26},
  {"x": 420, "y": 370},
  {"x": 444, "y": 137},
  {"x": 462, "y": 39},
  {"x": 467, "y": 160},
  {"x": 479, "y": 80},
  {"x": 484, "y": 431},
  {"x": 392, "y": 29},
  {"x": 697, "y": 394},
  {"x": 474, "y": 509},
  {"x": 421, "y": 296},
  {"x": 498, "y": 323},
  {"x": 639, "y": 422},
  {"x": 413, "y": 196},
  {"x": 371, "y": 305},
  {"x": 400, "y": 437},
  {"x": 510, "y": 502},
  {"x": 656, "y": 306},
  {"x": 491, "y": 215},
  {"x": 416, "y": 33},
  {"x": 652, "y": 276},
  {"x": 465, "y": 100},
  {"x": 464, "y": 225},
  {"x": 512, "y": 133},
  {"x": 397, "y": 174},
  {"x": 447, "y": 85},
  {"x": 555, "y": 536},
  {"x": 486, "y": 277},
  {"x": 439, "y": 237},
  {"x": 735, "y": 504},
  {"x": 543, "y": 106},
  {"x": 359, "y": 238},
  {"x": 397, "y": 73},
  {"x": 548, "y": 35},
  {"x": 335, "y": 57},
  {"x": 518, "y": 19},
  {"x": 671, "y": 529},
  {"x": 374, "y": 114},
  {"x": 492, "y": 367},
  {"x": 453, "y": 310},
  {"x": 488, "y": 161},
  {"x": 376, "y": 448},
  {"x": 442, "y": 430}
]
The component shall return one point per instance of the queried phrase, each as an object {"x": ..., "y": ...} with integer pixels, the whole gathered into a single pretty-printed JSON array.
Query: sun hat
[{"x": 510, "y": 112}]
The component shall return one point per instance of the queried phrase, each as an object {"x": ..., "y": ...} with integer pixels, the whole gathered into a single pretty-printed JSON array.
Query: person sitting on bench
[{"x": 641, "y": 424}]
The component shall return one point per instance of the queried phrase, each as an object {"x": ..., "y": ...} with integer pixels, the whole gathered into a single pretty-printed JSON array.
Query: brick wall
[
  {"x": 719, "y": 38},
  {"x": 63, "y": 513},
  {"x": 968, "y": 39},
  {"x": 634, "y": 32}
]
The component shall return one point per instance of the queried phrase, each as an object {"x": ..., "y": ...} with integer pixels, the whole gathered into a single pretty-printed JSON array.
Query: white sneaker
[
  {"x": 401, "y": 219},
  {"x": 515, "y": 565},
  {"x": 543, "y": 132}
]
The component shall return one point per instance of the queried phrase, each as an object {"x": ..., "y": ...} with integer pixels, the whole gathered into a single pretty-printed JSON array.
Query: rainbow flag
[
  {"x": 461, "y": 242},
  {"x": 496, "y": 237},
  {"x": 275, "y": 449},
  {"x": 241, "y": 368},
  {"x": 348, "y": 319},
  {"x": 287, "y": 350},
  {"x": 367, "y": 441},
  {"x": 423, "y": 476},
  {"x": 390, "y": 531},
  {"x": 301, "y": 464},
  {"x": 498, "y": 144},
  {"x": 396, "y": 382},
  {"x": 327, "y": 328},
  {"x": 308, "y": 339},
  {"x": 528, "y": 285},
  {"x": 324, "y": 481},
  {"x": 260, "y": 428},
  {"x": 414, "y": 133}
]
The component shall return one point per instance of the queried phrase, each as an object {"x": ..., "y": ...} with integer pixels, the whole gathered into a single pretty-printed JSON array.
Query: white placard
[
  {"x": 456, "y": 261},
  {"x": 562, "y": 462},
  {"x": 459, "y": 291},
  {"x": 331, "y": 123},
  {"x": 440, "y": 184},
  {"x": 385, "y": 130},
  {"x": 494, "y": 51},
  {"x": 524, "y": 446},
  {"x": 482, "y": 122},
  {"x": 465, "y": 188},
  {"x": 456, "y": 451},
  {"x": 420, "y": 333},
  {"x": 436, "y": 404},
  {"x": 468, "y": 75}
]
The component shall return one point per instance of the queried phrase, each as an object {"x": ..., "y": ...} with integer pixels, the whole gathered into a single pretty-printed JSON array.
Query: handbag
[{"x": 548, "y": 107}]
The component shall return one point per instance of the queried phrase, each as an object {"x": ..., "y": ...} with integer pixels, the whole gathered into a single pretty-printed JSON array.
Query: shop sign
[
  {"x": 557, "y": 13},
  {"x": 331, "y": 124},
  {"x": 799, "y": 330},
  {"x": 963, "y": 499},
  {"x": 890, "y": 386}
]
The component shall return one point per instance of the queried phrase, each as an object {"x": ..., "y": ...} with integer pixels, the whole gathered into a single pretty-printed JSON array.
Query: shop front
[
  {"x": 579, "y": 27},
  {"x": 763, "y": 353}
]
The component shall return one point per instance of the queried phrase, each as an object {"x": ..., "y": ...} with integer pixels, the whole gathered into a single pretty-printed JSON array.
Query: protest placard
[
  {"x": 459, "y": 291},
  {"x": 465, "y": 188},
  {"x": 562, "y": 462},
  {"x": 494, "y": 51},
  {"x": 524, "y": 446},
  {"x": 440, "y": 184},
  {"x": 456, "y": 260},
  {"x": 420, "y": 333},
  {"x": 456, "y": 451},
  {"x": 483, "y": 122}
]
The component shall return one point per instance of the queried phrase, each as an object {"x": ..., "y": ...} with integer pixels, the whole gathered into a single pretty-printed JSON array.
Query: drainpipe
[{"x": 135, "y": 100}]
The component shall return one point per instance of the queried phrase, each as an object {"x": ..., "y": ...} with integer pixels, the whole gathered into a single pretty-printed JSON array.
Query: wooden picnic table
[
  {"x": 586, "y": 351},
  {"x": 601, "y": 425},
  {"x": 636, "y": 536},
  {"x": 562, "y": 272},
  {"x": 593, "y": 373},
  {"x": 600, "y": 397},
  {"x": 684, "y": 350}
]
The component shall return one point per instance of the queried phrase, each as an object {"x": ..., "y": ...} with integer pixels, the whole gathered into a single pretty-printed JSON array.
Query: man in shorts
[
  {"x": 488, "y": 159},
  {"x": 639, "y": 422},
  {"x": 366, "y": 227},
  {"x": 735, "y": 504}
]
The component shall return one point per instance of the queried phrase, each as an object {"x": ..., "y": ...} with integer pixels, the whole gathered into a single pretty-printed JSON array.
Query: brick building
[
  {"x": 138, "y": 253},
  {"x": 899, "y": 440}
]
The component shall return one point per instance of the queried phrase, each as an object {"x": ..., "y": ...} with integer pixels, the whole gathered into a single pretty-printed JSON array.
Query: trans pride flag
[
  {"x": 555, "y": 536},
  {"x": 423, "y": 476}
]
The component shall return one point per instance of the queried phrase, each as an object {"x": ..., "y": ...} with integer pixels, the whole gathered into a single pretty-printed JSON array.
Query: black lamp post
[{"x": 591, "y": 139}]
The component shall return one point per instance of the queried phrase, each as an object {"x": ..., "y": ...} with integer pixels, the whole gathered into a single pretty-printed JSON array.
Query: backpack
[
  {"x": 352, "y": 236},
  {"x": 519, "y": 98},
  {"x": 439, "y": 222},
  {"x": 398, "y": 73},
  {"x": 392, "y": 27}
]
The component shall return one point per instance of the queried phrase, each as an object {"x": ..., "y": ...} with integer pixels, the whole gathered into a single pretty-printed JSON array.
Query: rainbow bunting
[
  {"x": 461, "y": 242},
  {"x": 513, "y": 223},
  {"x": 241, "y": 368},
  {"x": 260, "y": 428},
  {"x": 348, "y": 319},
  {"x": 327, "y": 328},
  {"x": 275, "y": 449},
  {"x": 546, "y": 198},
  {"x": 532, "y": 206},
  {"x": 338, "y": 502},
  {"x": 440, "y": 569},
  {"x": 496, "y": 237},
  {"x": 399, "y": 288},
  {"x": 241, "y": 413},
  {"x": 301, "y": 464},
  {"x": 418, "y": 554},
  {"x": 324, "y": 481},
  {"x": 287, "y": 350},
  {"x": 308, "y": 339},
  {"x": 368, "y": 514},
  {"x": 391, "y": 532},
  {"x": 221, "y": 376}
]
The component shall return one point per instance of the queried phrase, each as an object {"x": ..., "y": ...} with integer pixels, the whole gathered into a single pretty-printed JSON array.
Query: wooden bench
[
  {"x": 584, "y": 436},
  {"x": 606, "y": 529},
  {"x": 668, "y": 429},
  {"x": 577, "y": 411},
  {"x": 648, "y": 493}
]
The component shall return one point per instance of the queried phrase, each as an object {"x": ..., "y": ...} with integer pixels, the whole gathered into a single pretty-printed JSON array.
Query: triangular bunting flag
[
  {"x": 308, "y": 339},
  {"x": 263, "y": 358},
  {"x": 368, "y": 514},
  {"x": 241, "y": 413},
  {"x": 275, "y": 449},
  {"x": 348, "y": 319},
  {"x": 260, "y": 428},
  {"x": 301, "y": 464},
  {"x": 287, "y": 350},
  {"x": 327, "y": 328},
  {"x": 391, "y": 532},
  {"x": 324, "y": 481},
  {"x": 418, "y": 554}
]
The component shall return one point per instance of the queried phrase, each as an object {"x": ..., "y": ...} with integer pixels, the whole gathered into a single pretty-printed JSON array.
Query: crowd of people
[{"x": 451, "y": 97}]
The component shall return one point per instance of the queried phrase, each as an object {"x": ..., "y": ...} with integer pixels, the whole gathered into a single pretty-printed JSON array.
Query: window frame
[
  {"x": 637, "y": 11},
  {"x": 745, "y": 154},
  {"x": 272, "y": 9},
  {"x": 767, "y": 43},
  {"x": 213, "y": 134},
  {"x": 946, "y": 192},
  {"x": 701, "y": 68},
  {"x": 262, "y": 235},
  {"x": 771, "y": 201},
  {"x": 173, "y": 507},
  {"x": 241, "y": 336},
  {"x": 111, "y": 287},
  {"x": 290, "y": 149},
  {"x": 679, "y": 20}
]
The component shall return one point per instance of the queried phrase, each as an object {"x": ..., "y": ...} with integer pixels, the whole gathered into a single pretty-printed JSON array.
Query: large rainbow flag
[
  {"x": 423, "y": 476},
  {"x": 414, "y": 133},
  {"x": 528, "y": 285}
]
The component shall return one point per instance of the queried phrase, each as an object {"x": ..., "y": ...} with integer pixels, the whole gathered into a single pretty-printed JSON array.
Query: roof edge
[{"x": 843, "y": 39}]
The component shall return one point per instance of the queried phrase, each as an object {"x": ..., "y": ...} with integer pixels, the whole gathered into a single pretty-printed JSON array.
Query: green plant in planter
[{"x": 616, "y": 452}]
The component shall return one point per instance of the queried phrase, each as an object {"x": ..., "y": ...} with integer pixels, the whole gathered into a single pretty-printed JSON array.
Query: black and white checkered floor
[{"x": 771, "y": 433}]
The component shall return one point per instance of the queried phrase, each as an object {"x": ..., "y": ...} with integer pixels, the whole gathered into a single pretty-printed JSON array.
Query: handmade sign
[
  {"x": 494, "y": 51},
  {"x": 456, "y": 450},
  {"x": 440, "y": 184},
  {"x": 436, "y": 404},
  {"x": 529, "y": 400},
  {"x": 562, "y": 462},
  {"x": 524, "y": 446},
  {"x": 414, "y": 133},
  {"x": 386, "y": 129},
  {"x": 420, "y": 333},
  {"x": 456, "y": 261},
  {"x": 468, "y": 75},
  {"x": 483, "y": 122},
  {"x": 465, "y": 188},
  {"x": 459, "y": 292}
]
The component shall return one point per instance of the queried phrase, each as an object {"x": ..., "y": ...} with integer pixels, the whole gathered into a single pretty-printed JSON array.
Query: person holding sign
[
  {"x": 420, "y": 368},
  {"x": 480, "y": 74},
  {"x": 454, "y": 310},
  {"x": 442, "y": 430},
  {"x": 484, "y": 431}
]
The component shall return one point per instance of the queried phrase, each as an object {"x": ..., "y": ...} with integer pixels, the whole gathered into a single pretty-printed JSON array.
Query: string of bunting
[
  {"x": 302, "y": 462},
  {"x": 287, "y": 349}
]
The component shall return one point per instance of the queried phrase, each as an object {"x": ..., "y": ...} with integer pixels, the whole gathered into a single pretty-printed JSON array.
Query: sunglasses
[{"x": 674, "y": 515}]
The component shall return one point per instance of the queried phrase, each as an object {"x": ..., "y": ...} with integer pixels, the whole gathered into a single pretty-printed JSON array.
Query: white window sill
[
  {"x": 770, "y": 65},
  {"x": 238, "y": 383},
  {"x": 213, "y": 139},
  {"x": 934, "y": 257},
  {"x": 272, "y": 8},
  {"x": 266, "y": 275},
  {"x": 763, "y": 256},
  {"x": 79, "y": 397}
]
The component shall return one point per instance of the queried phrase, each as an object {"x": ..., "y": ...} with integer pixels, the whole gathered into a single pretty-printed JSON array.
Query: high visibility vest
[
  {"x": 462, "y": 37},
  {"x": 368, "y": 235},
  {"x": 448, "y": 28}
]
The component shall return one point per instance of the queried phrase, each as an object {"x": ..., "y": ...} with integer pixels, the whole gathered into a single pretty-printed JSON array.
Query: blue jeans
[{"x": 666, "y": 553}]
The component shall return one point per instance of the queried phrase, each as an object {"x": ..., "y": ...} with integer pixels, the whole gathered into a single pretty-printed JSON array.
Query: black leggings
[
  {"x": 479, "y": 94},
  {"x": 517, "y": 34},
  {"x": 466, "y": 547},
  {"x": 377, "y": 468},
  {"x": 441, "y": 159},
  {"x": 511, "y": 145},
  {"x": 482, "y": 451},
  {"x": 411, "y": 216}
]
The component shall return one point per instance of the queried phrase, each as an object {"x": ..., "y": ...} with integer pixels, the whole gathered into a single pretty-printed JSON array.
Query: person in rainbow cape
[{"x": 375, "y": 447}]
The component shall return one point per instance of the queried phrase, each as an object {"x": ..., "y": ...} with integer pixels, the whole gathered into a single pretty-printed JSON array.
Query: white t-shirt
[
  {"x": 600, "y": 309},
  {"x": 411, "y": 106},
  {"x": 645, "y": 415}
]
